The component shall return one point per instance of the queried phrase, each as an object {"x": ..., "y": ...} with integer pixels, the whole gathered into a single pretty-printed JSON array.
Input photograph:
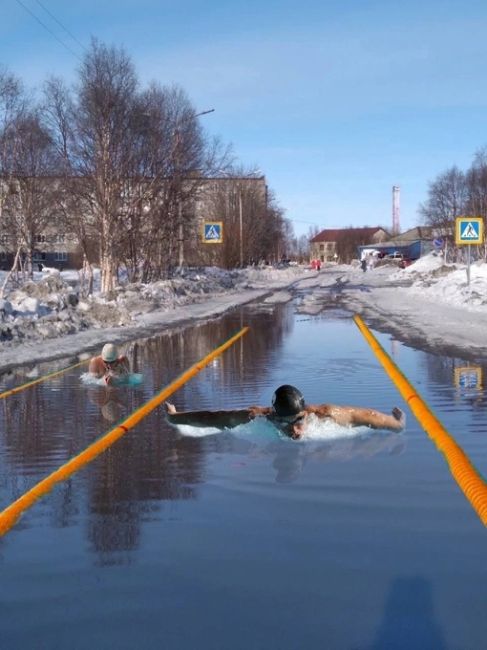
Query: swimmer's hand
[
  {"x": 109, "y": 378},
  {"x": 170, "y": 408},
  {"x": 400, "y": 416}
]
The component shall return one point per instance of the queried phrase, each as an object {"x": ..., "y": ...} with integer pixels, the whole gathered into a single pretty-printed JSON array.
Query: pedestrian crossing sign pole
[
  {"x": 213, "y": 232},
  {"x": 469, "y": 230}
]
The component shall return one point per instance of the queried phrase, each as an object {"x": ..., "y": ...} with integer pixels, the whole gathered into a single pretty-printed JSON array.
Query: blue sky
[{"x": 335, "y": 102}]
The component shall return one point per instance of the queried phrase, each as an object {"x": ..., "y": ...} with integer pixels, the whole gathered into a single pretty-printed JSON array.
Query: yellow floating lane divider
[
  {"x": 10, "y": 515},
  {"x": 468, "y": 478},
  {"x": 28, "y": 384}
]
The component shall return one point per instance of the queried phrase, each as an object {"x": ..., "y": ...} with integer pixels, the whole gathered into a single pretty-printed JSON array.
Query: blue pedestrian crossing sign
[
  {"x": 213, "y": 232},
  {"x": 469, "y": 377},
  {"x": 469, "y": 230}
]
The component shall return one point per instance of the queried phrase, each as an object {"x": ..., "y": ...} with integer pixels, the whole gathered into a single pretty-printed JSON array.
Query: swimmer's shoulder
[{"x": 320, "y": 410}]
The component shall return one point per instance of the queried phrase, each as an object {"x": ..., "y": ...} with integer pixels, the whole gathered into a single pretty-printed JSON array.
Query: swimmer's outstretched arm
[
  {"x": 220, "y": 419},
  {"x": 355, "y": 416}
]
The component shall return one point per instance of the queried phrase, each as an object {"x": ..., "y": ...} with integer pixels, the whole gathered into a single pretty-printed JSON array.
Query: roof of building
[
  {"x": 333, "y": 234},
  {"x": 419, "y": 233},
  {"x": 413, "y": 234}
]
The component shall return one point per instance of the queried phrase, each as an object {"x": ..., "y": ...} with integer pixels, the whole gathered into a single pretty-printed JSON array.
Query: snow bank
[
  {"x": 51, "y": 307},
  {"x": 427, "y": 301}
]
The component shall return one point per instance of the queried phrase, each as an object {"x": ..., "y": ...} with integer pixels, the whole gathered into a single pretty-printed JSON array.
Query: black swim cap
[{"x": 287, "y": 400}]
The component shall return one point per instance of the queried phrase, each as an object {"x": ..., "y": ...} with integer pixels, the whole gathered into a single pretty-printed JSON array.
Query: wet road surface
[{"x": 245, "y": 539}]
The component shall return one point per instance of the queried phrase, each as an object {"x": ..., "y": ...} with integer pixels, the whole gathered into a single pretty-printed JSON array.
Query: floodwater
[{"x": 349, "y": 539}]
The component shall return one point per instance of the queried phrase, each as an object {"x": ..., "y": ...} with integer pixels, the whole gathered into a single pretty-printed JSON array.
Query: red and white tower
[{"x": 396, "y": 227}]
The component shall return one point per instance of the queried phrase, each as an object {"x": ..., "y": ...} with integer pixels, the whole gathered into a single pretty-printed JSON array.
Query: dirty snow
[
  {"x": 428, "y": 303},
  {"x": 48, "y": 318}
]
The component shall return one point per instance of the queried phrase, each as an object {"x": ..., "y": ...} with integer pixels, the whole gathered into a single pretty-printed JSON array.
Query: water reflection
[
  {"x": 110, "y": 402},
  {"x": 447, "y": 372},
  {"x": 288, "y": 458}
]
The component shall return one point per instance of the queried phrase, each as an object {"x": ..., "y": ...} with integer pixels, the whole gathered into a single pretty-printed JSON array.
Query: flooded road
[{"x": 245, "y": 539}]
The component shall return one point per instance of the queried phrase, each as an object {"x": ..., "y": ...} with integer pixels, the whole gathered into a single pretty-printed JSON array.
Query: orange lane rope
[
  {"x": 28, "y": 384},
  {"x": 10, "y": 515},
  {"x": 468, "y": 478}
]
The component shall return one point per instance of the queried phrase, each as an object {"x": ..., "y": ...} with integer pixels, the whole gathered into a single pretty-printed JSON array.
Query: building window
[
  {"x": 38, "y": 256},
  {"x": 40, "y": 239},
  {"x": 322, "y": 247},
  {"x": 61, "y": 257}
]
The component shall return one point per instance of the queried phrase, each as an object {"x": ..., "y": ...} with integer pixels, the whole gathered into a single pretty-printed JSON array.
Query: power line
[
  {"x": 47, "y": 29},
  {"x": 311, "y": 223},
  {"x": 60, "y": 24}
]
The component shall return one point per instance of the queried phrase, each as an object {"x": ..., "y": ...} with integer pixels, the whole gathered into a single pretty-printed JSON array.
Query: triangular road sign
[
  {"x": 212, "y": 232},
  {"x": 470, "y": 231}
]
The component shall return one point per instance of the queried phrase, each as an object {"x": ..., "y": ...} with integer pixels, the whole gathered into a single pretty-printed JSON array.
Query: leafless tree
[
  {"x": 103, "y": 137},
  {"x": 447, "y": 199},
  {"x": 170, "y": 163},
  {"x": 300, "y": 248},
  {"x": 172, "y": 158},
  {"x": 254, "y": 227},
  {"x": 127, "y": 169},
  {"x": 270, "y": 232},
  {"x": 348, "y": 241},
  {"x": 28, "y": 208},
  {"x": 12, "y": 106},
  {"x": 476, "y": 182},
  {"x": 132, "y": 164},
  {"x": 73, "y": 200}
]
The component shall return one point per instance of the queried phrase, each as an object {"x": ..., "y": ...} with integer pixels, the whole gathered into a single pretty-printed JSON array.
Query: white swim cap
[{"x": 109, "y": 352}]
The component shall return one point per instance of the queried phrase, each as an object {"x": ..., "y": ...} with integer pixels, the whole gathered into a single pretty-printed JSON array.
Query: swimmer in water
[
  {"x": 109, "y": 364},
  {"x": 289, "y": 413}
]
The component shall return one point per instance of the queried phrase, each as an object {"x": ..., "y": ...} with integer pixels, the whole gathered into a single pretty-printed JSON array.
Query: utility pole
[
  {"x": 177, "y": 148},
  {"x": 180, "y": 235},
  {"x": 240, "y": 219}
]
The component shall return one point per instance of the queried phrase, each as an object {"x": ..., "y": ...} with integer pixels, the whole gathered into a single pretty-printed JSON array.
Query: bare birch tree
[
  {"x": 12, "y": 105},
  {"x": 103, "y": 134},
  {"x": 28, "y": 209},
  {"x": 75, "y": 203},
  {"x": 447, "y": 199}
]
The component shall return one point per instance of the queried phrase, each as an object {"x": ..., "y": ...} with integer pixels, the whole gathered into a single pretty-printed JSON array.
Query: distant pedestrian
[{"x": 363, "y": 264}]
